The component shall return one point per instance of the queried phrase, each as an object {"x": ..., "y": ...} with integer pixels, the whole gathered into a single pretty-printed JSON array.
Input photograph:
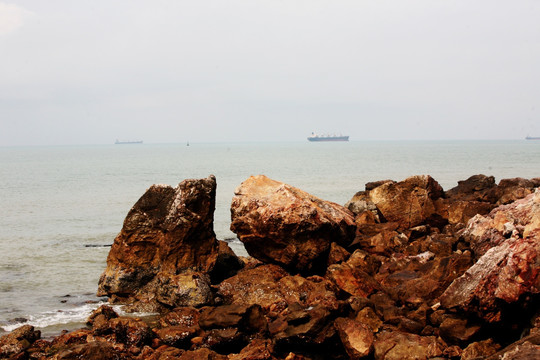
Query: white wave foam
[{"x": 60, "y": 317}]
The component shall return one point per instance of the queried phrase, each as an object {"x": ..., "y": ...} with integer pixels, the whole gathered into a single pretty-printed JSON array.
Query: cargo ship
[
  {"x": 327, "y": 137},
  {"x": 532, "y": 138},
  {"x": 118, "y": 142}
]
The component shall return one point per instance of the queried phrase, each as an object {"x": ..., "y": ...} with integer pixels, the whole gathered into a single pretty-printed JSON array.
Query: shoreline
[{"x": 403, "y": 263}]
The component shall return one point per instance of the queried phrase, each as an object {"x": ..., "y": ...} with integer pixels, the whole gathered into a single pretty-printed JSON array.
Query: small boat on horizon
[
  {"x": 118, "y": 142},
  {"x": 327, "y": 137}
]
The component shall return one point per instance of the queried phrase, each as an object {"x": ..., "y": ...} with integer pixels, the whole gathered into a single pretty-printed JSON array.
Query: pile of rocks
[{"x": 404, "y": 270}]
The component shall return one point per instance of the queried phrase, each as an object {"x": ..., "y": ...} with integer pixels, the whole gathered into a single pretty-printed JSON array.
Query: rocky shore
[{"x": 405, "y": 270}]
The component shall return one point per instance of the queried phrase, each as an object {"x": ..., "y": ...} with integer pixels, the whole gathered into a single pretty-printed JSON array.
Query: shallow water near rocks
[{"x": 63, "y": 206}]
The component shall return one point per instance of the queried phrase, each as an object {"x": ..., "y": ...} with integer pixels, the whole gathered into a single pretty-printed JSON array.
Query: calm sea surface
[{"x": 61, "y": 205}]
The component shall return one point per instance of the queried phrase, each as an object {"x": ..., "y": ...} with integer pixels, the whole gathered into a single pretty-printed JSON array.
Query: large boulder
[
  {"x": 169, "y": 231},
  {"x": 410, "y": 202},
  {"x": 284, "y": 225},
  {"x": 508, "y": 271}
]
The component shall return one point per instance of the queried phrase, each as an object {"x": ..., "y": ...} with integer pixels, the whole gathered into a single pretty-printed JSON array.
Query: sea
[{"x": 62, "y": 206}]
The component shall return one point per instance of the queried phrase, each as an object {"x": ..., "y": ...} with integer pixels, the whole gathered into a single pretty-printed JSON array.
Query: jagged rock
[
  {"x": 409, "y": 202},
  {"x": 383, "y": 239},
  {"x": 202, "y": 354},
  {"x": 169, "y": 230},
  {"x": 18, "y": 340},
  {"x": 96, "y": 350},
  {"x": 284, "y": 225},
  {"x": 126, "y": 330},
  {"x": 476, "y": 188},
  {"x": 253, "y": 286},
  {"x": 398, "y": 345},
  {"x": 246, "y": 318},
  {"x": 480, "y": 350},
  {"x": 523, "y": 349},
  {"x": 361, "y": 203},
  {"x": 510, "y": 190},
  {"x": 258, "y": 349},
  {"x": 356, "y": 337},
  {"x": 457, "y": 330},
  {"x": 506, "y": 272},
  {"x": 352, "y": 280},
  {"x": 303, "y": 325}
]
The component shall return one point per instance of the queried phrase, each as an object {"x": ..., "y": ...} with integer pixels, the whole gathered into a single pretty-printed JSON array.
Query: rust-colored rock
[
  {"x": 18, "y": 340},
  {"x": 356, "y": 337},
  {"x": 506, "y": 272},
  {"x": 253, "y": 286},
  {"x": 399, "y": 345},
  {"x": 258, "y": 349},
  {"x": 284, "y": 225},
  {"x": 169, "y": 230},
  {"x": 409, "y": 202}
]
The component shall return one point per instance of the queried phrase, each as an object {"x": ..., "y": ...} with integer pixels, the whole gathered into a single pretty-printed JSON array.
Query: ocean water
[{"x": 62, "y": 206}]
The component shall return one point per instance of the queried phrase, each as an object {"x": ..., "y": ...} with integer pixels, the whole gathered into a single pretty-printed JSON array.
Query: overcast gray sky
[{"x": 74, "y": 72}]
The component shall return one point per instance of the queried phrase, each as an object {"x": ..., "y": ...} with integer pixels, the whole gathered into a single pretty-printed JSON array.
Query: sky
[{"x": 91, "y": 72}]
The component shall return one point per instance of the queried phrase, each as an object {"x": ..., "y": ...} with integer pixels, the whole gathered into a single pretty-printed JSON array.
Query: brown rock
[
  {"x": 409, "y": 202},
  {"x": 258, "y": 349},
  {"x": 480, "y": 349},
  {"x": 475, "y": 188},
  {"x": 167, "y": 231},
  {"x": 284, "y": 225},
  {"x": 457, "y": 330},
  {"x": 337, "y": 254},
  {"x": 253, "y": 286},
  {"x": 399, "y": 345},
  {"x": 313, "y": 291},
  {"x": 96, "y": 350},
  {"x": 128, "y": 331},
  {"x": 183, "y": 316},
  {"x": 368, "y": 317},
  {"x": 18, "y": 340},
  {"x": 202, "y": 354},
  {"x": 248, "y": 318},
  {"x": 361, "y": 203},
  {"x": 506, "y": 272},
  {"x": 510, "y": 190},
  {"x": 352, "y": 280},
  {"x": 356, "y": 337}
]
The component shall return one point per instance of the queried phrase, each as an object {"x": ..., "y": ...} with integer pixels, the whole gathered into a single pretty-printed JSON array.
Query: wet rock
[
  {"x": 408, "y": 203},
  {"x": 169, "y": 230},
  {"x": 189, "y": 288},
  {"x": 18, "y": 340},
  {"x": 104, "y": 313},
  {"x": 399, "y": 345},
  {"x": 69, "y": 339},
  {"x": 284, "y": 225},
  {"x": 128, "y": 331},
  {"x": 356, "y": 337}
]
